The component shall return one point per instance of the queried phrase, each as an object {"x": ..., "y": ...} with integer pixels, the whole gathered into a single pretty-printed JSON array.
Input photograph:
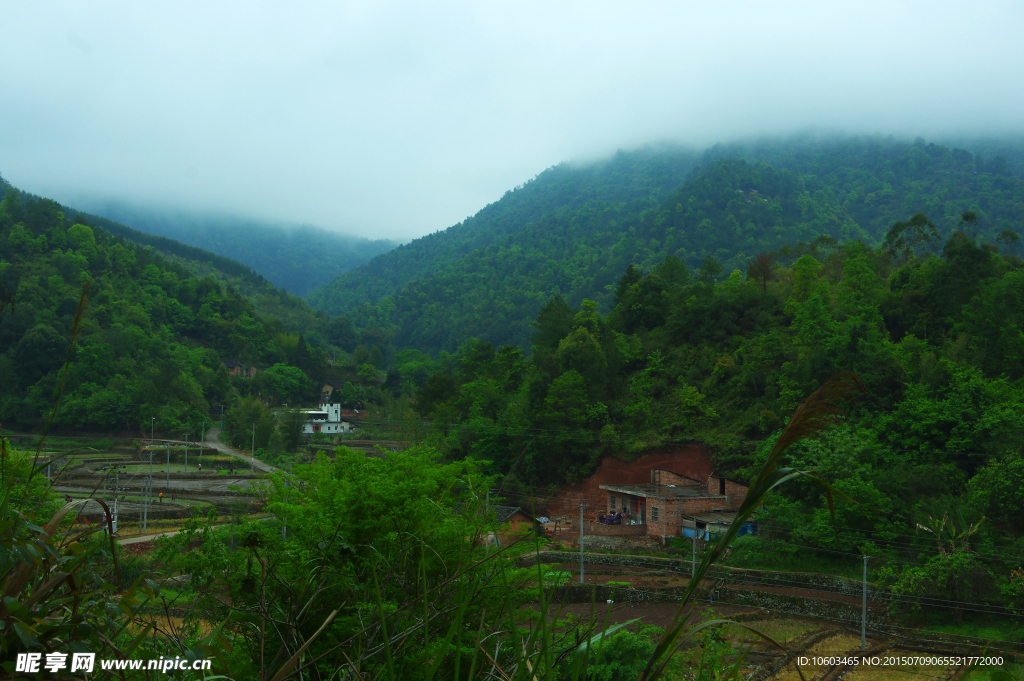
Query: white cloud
[{"x": 397, "y": 119}]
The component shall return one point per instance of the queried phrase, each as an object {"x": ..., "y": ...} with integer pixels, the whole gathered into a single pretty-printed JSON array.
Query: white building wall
[{"x": 333, "y": 425}]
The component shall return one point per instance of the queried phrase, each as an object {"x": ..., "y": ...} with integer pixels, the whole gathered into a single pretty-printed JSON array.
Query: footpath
[
  {"x": 146, "y": 538},
  {"x": 213, "y": 440}
]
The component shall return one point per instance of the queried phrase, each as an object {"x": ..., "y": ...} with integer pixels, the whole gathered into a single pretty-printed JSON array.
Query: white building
[{"x": 326, "y": 419}]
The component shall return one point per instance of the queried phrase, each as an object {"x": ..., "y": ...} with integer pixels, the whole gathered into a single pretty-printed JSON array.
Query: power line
[{"x": 976, "y": 640}]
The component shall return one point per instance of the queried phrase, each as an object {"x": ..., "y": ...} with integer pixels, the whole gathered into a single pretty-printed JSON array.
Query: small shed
[
  {"x": 517, "y": 520},
  {"x": 715, "y": 523}
]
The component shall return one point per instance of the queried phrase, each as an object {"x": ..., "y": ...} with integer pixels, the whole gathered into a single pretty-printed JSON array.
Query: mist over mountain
[
  {"x": 297, "y": 258},
  {"x": 573, "y": 229}
]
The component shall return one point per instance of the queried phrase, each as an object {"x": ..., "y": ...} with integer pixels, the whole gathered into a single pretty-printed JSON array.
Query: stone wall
[
  {"x": 777, "y": 605},
  {"x": 683, "y": 565},
  {"x": 598, "y": 543},
  {"x": 714, "y": 590}
]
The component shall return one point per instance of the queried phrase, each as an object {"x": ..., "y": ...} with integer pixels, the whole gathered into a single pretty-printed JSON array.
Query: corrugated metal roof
[
  {"x": 662, "y": 491},
  {"x": 716, "y": 517}
]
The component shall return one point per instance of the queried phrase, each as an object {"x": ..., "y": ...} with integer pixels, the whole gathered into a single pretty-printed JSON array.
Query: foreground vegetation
[{"x": 150, "y": 351}]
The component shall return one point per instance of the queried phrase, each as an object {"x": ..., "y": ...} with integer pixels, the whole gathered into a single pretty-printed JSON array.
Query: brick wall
[
  {"x": 667, "y": 524},
  {"x": 703, "y": 505},
  {"x": 666, "y": 477},
  {"x": 670, "y": 512},
  {"x": 733, "y": 491}
]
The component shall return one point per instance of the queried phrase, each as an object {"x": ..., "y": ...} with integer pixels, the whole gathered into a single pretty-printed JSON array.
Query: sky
[{"x": 394, "y": 120}]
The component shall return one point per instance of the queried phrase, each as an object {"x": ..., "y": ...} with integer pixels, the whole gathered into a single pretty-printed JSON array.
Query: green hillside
[
  {"x": 573, "y": 230},
  {"x": 297, "y": 259},
  {"x": 625, "y": 183},
  {"x": 160, "y": 319}
]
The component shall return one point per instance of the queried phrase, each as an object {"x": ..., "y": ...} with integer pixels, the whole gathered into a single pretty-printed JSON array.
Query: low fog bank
[
  {"x": 296, "y": 257},
  {"x": 397, "y": 119}
]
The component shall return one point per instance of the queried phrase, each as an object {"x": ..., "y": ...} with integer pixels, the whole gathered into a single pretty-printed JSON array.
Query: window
[
  {"x": 613, "y": 503},
  {"x": 654, "y": 514}
]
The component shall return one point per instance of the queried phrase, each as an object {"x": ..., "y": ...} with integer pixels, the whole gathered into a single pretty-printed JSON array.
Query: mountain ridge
[{"x": 576, "y": 239}]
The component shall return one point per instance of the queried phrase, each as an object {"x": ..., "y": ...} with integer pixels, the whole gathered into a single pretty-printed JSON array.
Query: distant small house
[
  {"x": 515, "y": 516},
  {"x": 238, "y": 369},
  {"x": 326, "y": 389},
  {"x": 517, "y": 521},
  {"x": 671, "y": 501},
  {"x": 327, "y": 419}
]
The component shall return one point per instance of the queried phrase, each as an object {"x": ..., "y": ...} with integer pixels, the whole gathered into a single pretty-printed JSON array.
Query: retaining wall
[{"x": 684, "y": 566}]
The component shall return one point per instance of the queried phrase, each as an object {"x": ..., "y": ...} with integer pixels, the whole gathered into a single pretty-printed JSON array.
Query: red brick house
[{"x": 671, "y": 501}]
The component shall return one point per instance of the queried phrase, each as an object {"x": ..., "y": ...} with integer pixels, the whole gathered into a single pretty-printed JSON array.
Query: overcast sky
[{"x": 395, "y": 120}]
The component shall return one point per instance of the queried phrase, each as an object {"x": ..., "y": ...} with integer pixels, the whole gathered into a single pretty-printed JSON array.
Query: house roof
[
  {"x": 505, "y": 513},
  {"x": 664, "y": 491},
  {"x": 714, "y": 517}
]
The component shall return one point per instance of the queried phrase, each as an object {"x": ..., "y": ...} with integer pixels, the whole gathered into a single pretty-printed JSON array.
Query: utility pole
[
  {"x": 186, "y": 453},
  {"x": 113, "y": 519},
  {"x": 202, "y": 441},
  {"x": 149, "y": 487},
  {"x": 167, "y": 485},
  {"x": 284, "y": 521},
  {"x": 693, "y": 566},
  {"x": 581, "y": 543},
  {"x": 252, "y": 452},
  {"x": 864, "y": 608},
  {"x": 152, "y": 426}
]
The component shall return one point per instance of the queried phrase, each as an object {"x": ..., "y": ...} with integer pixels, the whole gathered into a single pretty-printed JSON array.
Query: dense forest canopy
[
  {"x": 934, "y": 330},
  {"x": 154, "y": 335},
  {"x": 573, "y": 230},
  {"x": 640, "y": 179}
]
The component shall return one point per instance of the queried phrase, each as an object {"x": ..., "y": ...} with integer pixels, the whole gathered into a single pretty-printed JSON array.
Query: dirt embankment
[{"x": 690, "y": 460}]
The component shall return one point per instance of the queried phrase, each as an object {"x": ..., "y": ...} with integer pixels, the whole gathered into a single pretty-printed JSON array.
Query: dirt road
[
  {"x": 213, "y": 440},
  {"x": 145, "y": 538}
]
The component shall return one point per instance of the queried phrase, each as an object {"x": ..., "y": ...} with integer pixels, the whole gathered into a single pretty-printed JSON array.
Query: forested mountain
[
  {"x": 627, "y": 182},
  {"x": 296, "y": 258},
  {"x": 574, "y": 229},
  {"x": 153, "y": 337}
]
